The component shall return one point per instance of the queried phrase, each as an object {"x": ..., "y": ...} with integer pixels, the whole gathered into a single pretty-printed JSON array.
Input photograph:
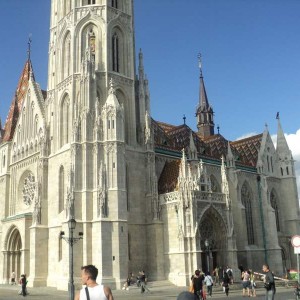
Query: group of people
[
  {"x": 95, "y": 291},
  {"x": 141, "y": 281},
  {"x": 248, "y": 283},
  {"x": 22, "y": 282},
  {"x": 198, "y": 281}
]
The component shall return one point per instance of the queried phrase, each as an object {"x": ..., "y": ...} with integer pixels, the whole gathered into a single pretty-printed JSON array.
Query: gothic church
[{"x": 145, "y": 194}]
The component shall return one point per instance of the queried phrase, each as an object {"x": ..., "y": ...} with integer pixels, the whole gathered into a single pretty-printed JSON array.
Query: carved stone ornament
[{"x": 29, "y": 189}]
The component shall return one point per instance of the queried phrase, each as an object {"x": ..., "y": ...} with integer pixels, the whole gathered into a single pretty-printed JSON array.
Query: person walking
[
  {"x": 93, "y": 290},
  {"x": 143, "y": 280},
  {"x": 23, "y": 282},
  {"x": 253, "y": 284},
  {"x": 269, "y": 283},
  {"x": 225, "y": 283},
  {"x": 209, "y": 283},
  {"x": 198, "y": 284}
]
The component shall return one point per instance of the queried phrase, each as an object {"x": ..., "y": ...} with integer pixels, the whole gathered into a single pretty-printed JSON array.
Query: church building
[{"x": 145, "y": 194}]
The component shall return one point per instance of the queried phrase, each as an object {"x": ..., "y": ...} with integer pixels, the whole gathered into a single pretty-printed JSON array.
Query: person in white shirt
[
  {"x": 209, "y": 283},
  {"x": 93, "y": 290}
]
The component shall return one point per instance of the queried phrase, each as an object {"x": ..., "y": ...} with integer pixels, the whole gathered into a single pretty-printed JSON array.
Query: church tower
[
  {"x": 204, "y": 112},
  {"x": 94, "y": 119}
]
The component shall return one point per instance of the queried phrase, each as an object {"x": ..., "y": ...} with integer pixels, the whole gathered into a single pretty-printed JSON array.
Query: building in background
[{"x": 146, "y": 194}]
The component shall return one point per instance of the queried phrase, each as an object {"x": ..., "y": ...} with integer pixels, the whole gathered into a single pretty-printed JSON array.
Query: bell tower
[
  {"x": 91, "y": 124},
  {"x": 91, "y": 42}
]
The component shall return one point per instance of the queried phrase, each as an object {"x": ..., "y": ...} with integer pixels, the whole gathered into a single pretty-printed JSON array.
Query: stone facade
[{"x": 89, "y": 149}]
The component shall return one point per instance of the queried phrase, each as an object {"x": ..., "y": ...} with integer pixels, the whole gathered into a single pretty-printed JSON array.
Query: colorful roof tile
[{"x": 17, "y": 102}]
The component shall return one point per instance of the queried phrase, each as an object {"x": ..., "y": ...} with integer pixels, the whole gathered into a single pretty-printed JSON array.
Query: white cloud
[{"x": 246, "y": 135}]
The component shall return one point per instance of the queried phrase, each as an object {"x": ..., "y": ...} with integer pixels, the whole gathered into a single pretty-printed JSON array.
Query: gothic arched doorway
[
  {"x": 12, "y": 253},
  {"x": 212, "y": 240}
]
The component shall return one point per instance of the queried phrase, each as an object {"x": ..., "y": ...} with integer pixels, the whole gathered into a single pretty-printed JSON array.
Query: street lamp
[
  {"x": 206, "y": 243},
  {"x": 71, "y": 241}
]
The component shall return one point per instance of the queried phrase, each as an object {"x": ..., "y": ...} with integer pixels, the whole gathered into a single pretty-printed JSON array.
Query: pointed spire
[
  {"x": 192, "y": 147},
  {"x": 112, "y": 98},
  {"x": 204, "y": 112},
  {"x": 282, "y": 145},
  {"x": 29, "y": 47},
  {"x": 17, "y": 102}
]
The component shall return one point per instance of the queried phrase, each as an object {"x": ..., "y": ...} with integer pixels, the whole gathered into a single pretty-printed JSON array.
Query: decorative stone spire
[
  {"x": 204, "y": 112},
  {"x": 282, "y": 147},
  {"x": 230, "y": 157},
  {"x": 192, "y": 147}
]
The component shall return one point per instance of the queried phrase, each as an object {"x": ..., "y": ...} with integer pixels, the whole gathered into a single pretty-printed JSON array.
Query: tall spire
[
  {"x": 282, "y": 147},
  {"x": 29, "y": 47},
  {"x": 204, "y": 112}
]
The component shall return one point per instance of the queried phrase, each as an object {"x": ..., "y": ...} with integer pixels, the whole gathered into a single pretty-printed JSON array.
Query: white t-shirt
[
  {"x": 208, "y": 280},
  {"x": 96, "y": 293}
]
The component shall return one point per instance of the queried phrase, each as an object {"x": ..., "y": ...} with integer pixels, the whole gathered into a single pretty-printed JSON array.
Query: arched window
[
  {"x": 115, "y": 53},
  {"x": 66, "y": 57},
  {"x": 35, "y": 125},
  {"x": 67, "y": 7},
  {"x": 61, "y": 189},
  {"x": 273, "y": 201},
  {"x": 246, "y": 201},
  {"x": 114, "y": 3},
  {"x": 64, "y": 121}
]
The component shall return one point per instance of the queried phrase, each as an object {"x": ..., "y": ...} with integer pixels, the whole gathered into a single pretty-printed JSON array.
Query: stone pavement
[{"x": 159, "y": 290}]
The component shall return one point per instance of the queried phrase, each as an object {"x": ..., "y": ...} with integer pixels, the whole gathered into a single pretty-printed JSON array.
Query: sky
[{"x": 250, "y": 60}]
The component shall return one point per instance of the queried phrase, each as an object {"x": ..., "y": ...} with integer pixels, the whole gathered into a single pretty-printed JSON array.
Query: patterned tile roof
[
  {"x": 246, "y": 150},
  {"x": 17, "y": 102},
  {"x": 175, "y": 138},
  {"x": 168, "y": 178}
]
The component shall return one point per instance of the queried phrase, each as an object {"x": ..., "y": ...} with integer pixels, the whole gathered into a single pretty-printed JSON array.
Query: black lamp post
[
  {"x": 206, "y": 242},
  {"x": 71, "y": 241}
]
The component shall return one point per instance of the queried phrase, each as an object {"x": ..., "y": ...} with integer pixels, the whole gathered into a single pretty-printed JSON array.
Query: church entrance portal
[
  {"x": 212, "y": 239},
  {"x": 12, "y": 254}
]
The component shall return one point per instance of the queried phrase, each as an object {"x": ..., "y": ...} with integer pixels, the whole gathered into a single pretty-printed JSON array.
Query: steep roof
[
  {"x": 168, "y": 178},
  {"x": 246, "y": 150},
  {"x": 17, "y": 102},
  {"x": 176, "y": 138}
]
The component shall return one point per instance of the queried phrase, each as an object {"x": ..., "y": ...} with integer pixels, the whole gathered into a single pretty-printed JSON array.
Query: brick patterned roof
[
  {"x": 246, "y": 150},
  {"x": 17, "y": 102},
  {"x": 176, "y": 138},
  {"x": 168, "y": 178}
]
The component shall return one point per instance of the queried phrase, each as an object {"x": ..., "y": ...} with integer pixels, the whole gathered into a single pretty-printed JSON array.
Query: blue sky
[{"x": 250, "y": 58}]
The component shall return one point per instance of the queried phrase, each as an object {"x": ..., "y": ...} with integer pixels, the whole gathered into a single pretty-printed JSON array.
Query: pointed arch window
[
  {"x": 273, "y": 201},
  {"x": 115, "y": 53},
  {"x": 64, "y": 121},
  {"x": 66, "y": 56},
  {"x": 114, "y": 3},
  {"x": 61, "y": 189},
  {"x": 246, "y": 201}
]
